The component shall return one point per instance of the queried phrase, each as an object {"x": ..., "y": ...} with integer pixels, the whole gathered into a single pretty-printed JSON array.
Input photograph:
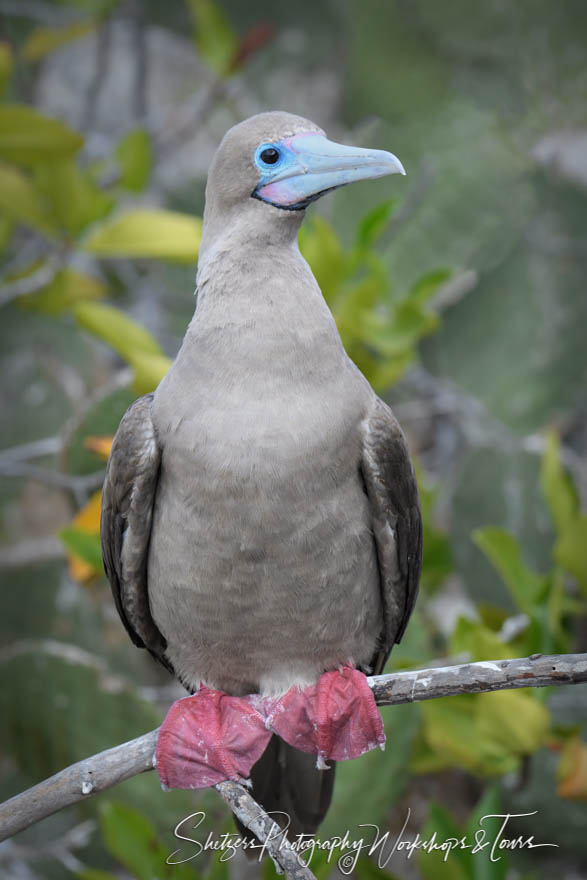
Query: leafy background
[{"x": 460, "y": 293}]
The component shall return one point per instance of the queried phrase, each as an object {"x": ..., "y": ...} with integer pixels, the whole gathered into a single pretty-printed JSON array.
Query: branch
[
  {"x": 31, "y": 551},
  {"x": 254, "y": 817},
  {"x": 538, "y": 670},
  {"x": 108, "y": 768},
  {"x": 80, "y": 485}
]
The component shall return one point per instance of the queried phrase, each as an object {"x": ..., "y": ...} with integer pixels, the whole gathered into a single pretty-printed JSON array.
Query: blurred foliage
[
  {"x": 380, "y": 329},
  {"x": 467, "y": 98}
]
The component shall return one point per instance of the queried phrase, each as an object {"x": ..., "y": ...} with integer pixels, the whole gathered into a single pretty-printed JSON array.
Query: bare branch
[
  {"x": 61, "y": 848},
  {"x": 80, "y": 485},
  {"x": 34, "y": 449},
  {"x": 253, "y": 817},
  {"x": 119, "y": 380},
  {"x": 31, "y": 551},
  {"x": 77, "y": 782},
  {"x": 539, "y": 670},
  {"x": 108, "y": 768}
]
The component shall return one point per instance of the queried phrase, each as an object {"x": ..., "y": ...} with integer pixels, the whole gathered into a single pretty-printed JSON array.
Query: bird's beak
[{"x": 312, "y": 165}]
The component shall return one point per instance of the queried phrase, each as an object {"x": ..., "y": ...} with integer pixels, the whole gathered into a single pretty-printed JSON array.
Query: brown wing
[
  {"x": 128, "y": 499},
  {"x": 392, "y": 490}
]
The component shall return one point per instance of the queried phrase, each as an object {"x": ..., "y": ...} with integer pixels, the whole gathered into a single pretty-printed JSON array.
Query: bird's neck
[{"x": 260, "y": 306}]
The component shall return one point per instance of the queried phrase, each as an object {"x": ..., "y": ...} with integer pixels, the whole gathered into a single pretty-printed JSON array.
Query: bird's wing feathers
[
  {"x": 397, "y": 523},
  {"x": 125, "y": 527}
]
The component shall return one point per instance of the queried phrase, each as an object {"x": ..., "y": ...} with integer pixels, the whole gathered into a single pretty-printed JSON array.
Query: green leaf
[
  {"x": 149, "y": 370},
  {"x": 20, "y": 201},
  {"x": 479, "y": 641},
  {"x": 95, "y": 874},
  {"x": 135, "y": 157},
  {"x": 83, "y": 545},
  {"x": 148, "y": 233},
  {"x": 438, "y": 864},
  {"x": 132, "y": 839},
  {"x": 43, "y": 40},
  {"x": 427, "y": 285},
  {"x": 408, "y": 325},
  {"x": 6, "y": 230},
  {"x": 75, "y": 199},
  {"x": 111, "y": 325},
  {"x": 214, "y": 36},
  {"x": 451, "y": 729},
  {"x": 369, "y": 788},
  {"x": 512, "y": 720},
  {"x": 483, "y": 867},
  {"x": 571, "y": 550},
  {"x": 321, "y": 247},
  {"x": 6, "y": 65},
  {"x": 502, "y": 549},
  {"x": 27, "y": 137},
  {"x": 438, "y": 561},
  {"x": 373, "y": 224},
  {"x": 70, "y": 705},
  {"x": 218, "y": 868},
  {"x": 67, "y": 288},
  {"x": 367, "y": 870},
  {"x": 558, "y": 489}
]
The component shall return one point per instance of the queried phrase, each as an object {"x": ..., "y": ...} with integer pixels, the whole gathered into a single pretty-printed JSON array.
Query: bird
[{"x": 260, "y": 519}]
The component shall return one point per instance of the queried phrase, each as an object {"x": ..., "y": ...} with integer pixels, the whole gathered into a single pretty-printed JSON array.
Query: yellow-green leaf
[
  {"x": 512, "y": 720},
  {"x": 149, "y": 370},
  {"x": 43, "y": 40},
  {"x": 502, "y": 549},
  {"x": 425, "y": 287},
  {"x": 67, "y": 288},
  {"x": 82, "y": 539},
  {"x": 215, "y": 37},
  {"x": 407, "y": 326},
  {"x": 135, "y": 157},
  {"x": 322, "y": 249},
  {"x": 478, "y": 641},
  {"x": 570, "y": 550},
  {"x": 111, "y": 325},
  {"x": 75, "y": 199},
  {"x": 558, "y": 489},
  {"x": 373, "y": 224},
  {"x": 28, "y": 137},
  {"x": 84, "y": 545},
  {"x": 148, "y": 233},
  {"x": 6, "y": 65},
  {"x": 20, "y": 201},
  {"x": 437, "y": 864},
  {"x": 451, "y": 730},
  {"x": 6, "y": 230}
]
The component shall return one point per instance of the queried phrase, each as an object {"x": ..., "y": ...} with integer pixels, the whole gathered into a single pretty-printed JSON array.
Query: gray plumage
[{"x": 260, "y": 519}]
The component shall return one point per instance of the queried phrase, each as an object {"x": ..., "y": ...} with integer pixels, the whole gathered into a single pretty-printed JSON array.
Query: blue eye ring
[{"x": 268, "y": 156}]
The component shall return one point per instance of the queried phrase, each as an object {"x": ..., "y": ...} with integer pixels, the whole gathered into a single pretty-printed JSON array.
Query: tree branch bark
[{"x": 102, "y": 771}]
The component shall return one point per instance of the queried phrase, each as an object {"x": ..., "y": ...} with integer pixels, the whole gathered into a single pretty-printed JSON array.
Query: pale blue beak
[{"x": 309, "y": 165}]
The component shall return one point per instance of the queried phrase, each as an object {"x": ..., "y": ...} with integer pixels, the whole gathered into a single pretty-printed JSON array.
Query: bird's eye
[{"x": 269, "y": 156}]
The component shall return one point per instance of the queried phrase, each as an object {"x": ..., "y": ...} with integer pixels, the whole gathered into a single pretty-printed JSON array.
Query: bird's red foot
[{"x": 212, "y": 736}]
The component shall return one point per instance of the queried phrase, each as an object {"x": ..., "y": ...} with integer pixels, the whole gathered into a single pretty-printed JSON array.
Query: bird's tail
[{"x": 288, "y": 785}]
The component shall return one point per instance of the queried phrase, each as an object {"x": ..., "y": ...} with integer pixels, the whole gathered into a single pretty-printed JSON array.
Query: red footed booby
[{"x": 261, "y": 529}]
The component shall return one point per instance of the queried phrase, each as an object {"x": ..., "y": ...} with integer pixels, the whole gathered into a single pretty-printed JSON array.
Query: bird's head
[{"x": 279, "y": 163}]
